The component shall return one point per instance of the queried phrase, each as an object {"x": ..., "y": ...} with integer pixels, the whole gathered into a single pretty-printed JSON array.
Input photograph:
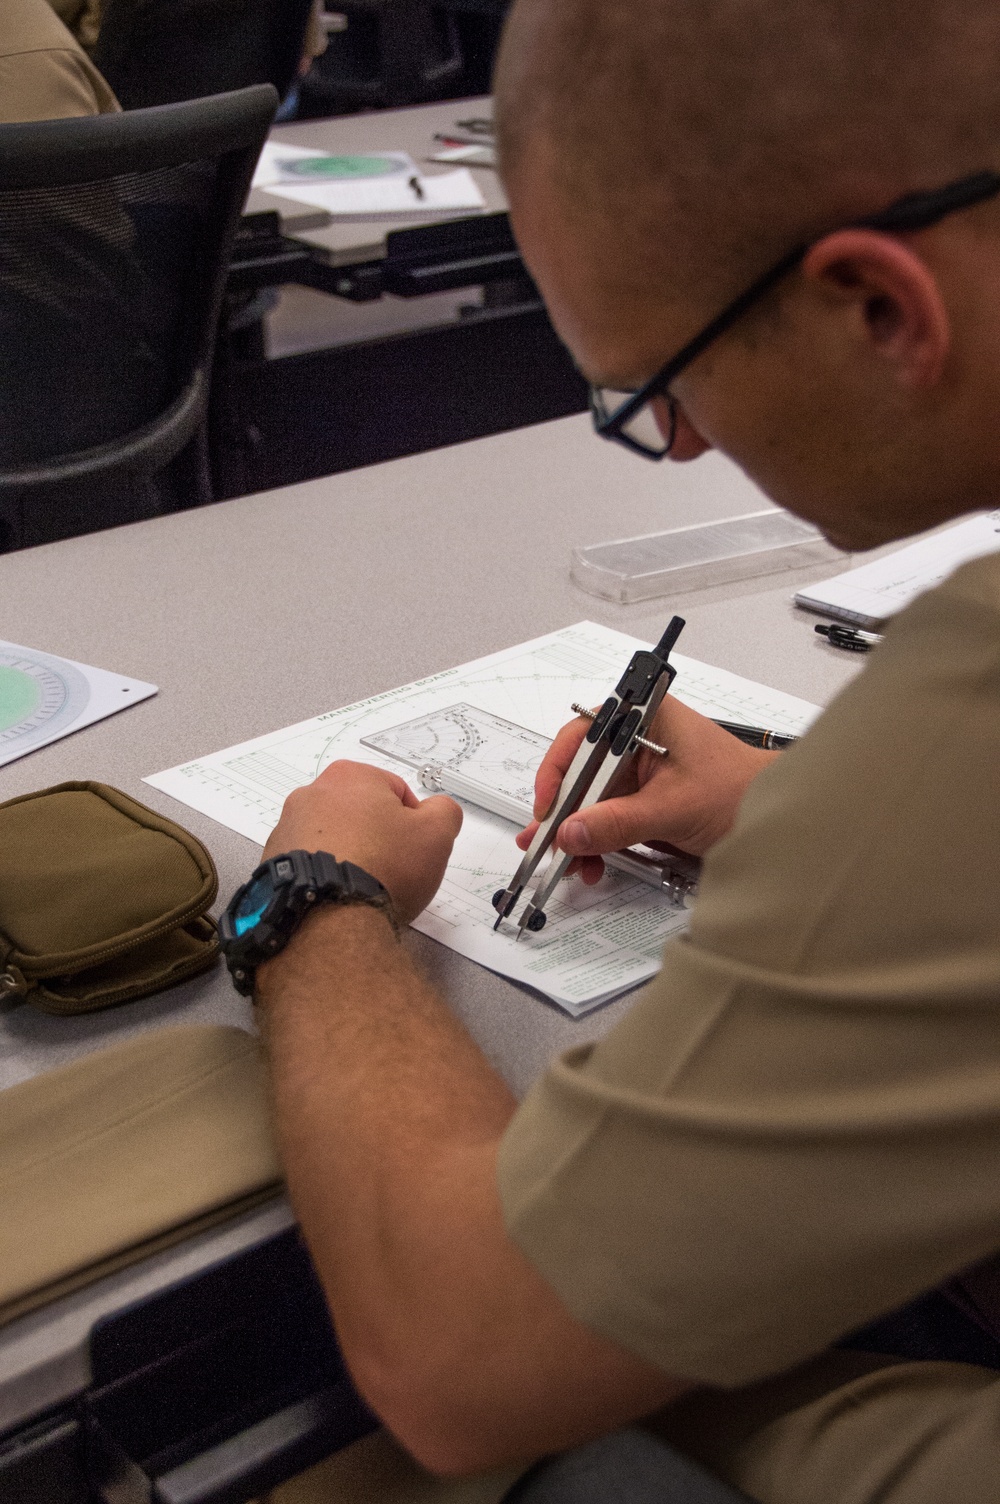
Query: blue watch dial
[{"x": 253, "y": 905}]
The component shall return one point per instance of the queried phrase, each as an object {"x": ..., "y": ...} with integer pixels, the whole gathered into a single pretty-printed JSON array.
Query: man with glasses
[{"x": 795, "y": 1132}]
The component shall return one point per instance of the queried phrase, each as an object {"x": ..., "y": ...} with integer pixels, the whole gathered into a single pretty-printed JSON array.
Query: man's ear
[{"x": 900, "y": 310}]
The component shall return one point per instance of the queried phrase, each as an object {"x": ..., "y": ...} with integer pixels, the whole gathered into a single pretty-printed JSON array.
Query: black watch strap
[
  {"x": 293, "y": 885},
  {"x": 343, "y": 882}
]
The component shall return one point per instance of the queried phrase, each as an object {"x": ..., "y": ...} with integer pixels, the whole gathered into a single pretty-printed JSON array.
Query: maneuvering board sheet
[{"x": 599, "y": 941}]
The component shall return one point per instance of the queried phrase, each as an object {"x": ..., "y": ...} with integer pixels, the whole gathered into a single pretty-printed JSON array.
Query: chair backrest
[
  {"x": 115, "y": 235},
  {"x": 387, "y": 54},
  {"x": 161, "y": 51}
]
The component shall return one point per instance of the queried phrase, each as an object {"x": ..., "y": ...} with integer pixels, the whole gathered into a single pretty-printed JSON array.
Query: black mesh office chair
[
  {"x": 384, "y": 54},
  {"x": 162, "y": 51},
  {"x": 115, "y": 234}
]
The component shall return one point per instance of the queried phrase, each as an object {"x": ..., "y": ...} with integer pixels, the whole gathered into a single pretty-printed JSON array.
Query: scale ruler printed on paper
[{"x": 489, "y": 720}]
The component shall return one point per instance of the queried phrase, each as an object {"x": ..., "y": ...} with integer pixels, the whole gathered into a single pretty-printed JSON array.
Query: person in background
[
  {"x": 44, "y": 72},
  {"x": 83, "y": 17}
]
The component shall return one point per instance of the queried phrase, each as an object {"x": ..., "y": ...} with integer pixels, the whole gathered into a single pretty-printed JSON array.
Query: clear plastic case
[{"x": 691, "y": 558}]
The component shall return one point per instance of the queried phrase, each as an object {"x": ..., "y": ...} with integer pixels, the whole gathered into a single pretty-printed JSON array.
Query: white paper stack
[
  {"x": 447, "y": 194},
  {"x": 395, "y": 188},
  {"x": 340, "y": 189},
  {"x": 867, "y": 596}
]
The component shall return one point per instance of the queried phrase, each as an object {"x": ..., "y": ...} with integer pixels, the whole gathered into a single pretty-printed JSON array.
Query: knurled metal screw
[{"x": 640, "y": 741}]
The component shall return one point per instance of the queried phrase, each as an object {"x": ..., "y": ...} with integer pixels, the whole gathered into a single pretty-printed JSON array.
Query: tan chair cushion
[{"x": 127, "y": 1151}]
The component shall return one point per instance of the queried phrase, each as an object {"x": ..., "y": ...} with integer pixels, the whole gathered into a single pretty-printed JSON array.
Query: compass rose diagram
[{"x": 39, "y": 695}]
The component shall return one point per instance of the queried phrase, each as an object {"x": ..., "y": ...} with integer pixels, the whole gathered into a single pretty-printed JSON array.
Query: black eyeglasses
[{"x": 633, "y": 423}]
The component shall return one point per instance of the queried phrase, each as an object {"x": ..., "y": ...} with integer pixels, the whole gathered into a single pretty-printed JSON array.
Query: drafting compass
[{"x": 616, "y": 733}]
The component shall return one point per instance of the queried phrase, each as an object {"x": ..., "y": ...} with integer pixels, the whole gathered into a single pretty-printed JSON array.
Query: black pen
[
  {"x": 417, "y": 188},
  {"x": 756, "y": 736},
  {"x": 850, "y": 638}
]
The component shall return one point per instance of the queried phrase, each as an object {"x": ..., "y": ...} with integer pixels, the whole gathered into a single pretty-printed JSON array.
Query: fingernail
[{"x": 575, "y": 836}]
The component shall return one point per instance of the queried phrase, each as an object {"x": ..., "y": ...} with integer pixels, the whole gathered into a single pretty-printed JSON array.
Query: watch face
[{"x": 253, "y": 905}]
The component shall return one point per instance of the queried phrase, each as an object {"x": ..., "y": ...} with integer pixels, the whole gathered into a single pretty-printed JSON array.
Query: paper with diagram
[
  {"x": 43, "y": 698},
  {"x": 599, "y": 941}
]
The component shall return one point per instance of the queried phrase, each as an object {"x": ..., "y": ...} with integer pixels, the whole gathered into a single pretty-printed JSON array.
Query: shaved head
[{"x": 712, "y": 135}]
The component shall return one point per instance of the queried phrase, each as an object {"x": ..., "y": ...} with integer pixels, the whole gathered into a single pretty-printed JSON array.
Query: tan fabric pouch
[
  {"x": 125, "y": 1152},
  {"x": 101, "y": 899}
]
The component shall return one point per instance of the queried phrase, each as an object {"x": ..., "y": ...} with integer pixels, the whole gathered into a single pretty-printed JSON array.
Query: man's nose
[{"x": 687, "y": 442}]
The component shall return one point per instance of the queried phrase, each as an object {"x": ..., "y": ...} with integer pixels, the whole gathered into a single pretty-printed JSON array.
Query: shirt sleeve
[
  {"x": 52, "y": 84},
  {"x": 797, "y": 1126}
]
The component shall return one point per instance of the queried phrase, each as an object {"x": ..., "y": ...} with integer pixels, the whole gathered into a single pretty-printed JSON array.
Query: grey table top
[
  {"x": 253, "y": 614},
  {"x": 409, "y": 130},
  {"x": 256, "y": 613}
]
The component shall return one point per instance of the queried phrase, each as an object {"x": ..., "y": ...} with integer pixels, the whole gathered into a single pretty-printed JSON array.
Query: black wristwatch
[{"x": 264, "y": 914}]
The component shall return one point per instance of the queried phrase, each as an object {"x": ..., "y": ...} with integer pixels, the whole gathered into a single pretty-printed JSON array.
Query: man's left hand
[{"x": 363, "y": 815}]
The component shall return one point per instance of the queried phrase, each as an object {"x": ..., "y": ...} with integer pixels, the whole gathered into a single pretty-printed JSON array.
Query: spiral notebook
[{"x": 866, "y": 597}]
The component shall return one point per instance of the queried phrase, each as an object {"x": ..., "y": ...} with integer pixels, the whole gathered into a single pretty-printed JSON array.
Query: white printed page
[
  {"x": 274, "y": 162},
  {"x": 869, "y": 595},
  {"x": 598, "y": 941},
  {"x": 390, "y": 197}
]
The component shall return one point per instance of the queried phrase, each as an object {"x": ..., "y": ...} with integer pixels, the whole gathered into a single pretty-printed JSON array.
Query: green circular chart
[
  {"x": 342, "y": 167},
  {"x": 38, "y": 695}
]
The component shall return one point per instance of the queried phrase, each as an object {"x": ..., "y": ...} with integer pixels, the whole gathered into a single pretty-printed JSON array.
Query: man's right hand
[{"x": 688, "y": 800}]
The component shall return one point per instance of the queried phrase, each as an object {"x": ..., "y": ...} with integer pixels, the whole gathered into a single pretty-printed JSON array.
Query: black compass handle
[{"x": 674, "y": 629}]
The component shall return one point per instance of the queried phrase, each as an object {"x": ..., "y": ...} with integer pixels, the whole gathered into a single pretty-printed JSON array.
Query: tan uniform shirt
[
  {"x": 797, "y": 1126},
  {"x": 44, "y": 73}
]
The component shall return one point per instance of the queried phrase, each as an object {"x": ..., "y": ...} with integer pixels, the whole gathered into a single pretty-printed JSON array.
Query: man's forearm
[
  {"x": 345, "y": 1010},
  {"x": 382, "y": 1104},
  {"x": 390, "y": 1121}
]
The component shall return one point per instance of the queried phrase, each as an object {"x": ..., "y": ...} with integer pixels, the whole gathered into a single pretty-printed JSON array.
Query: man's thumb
[
  {"x": 603, "y": 827},
  {"x": 443, "y": 812}
]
